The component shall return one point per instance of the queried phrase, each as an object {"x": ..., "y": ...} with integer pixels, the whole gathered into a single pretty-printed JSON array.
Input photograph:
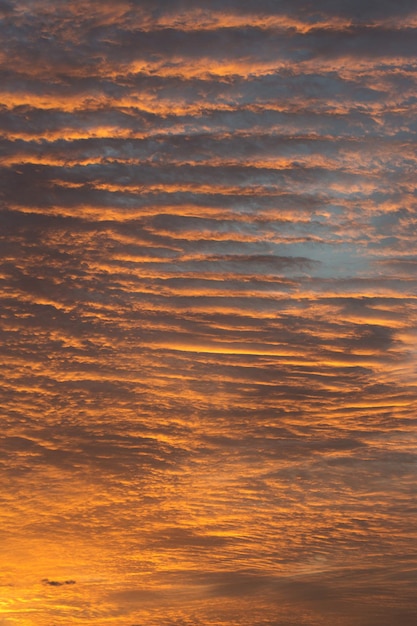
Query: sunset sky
[{"x": 208, "y": 266}]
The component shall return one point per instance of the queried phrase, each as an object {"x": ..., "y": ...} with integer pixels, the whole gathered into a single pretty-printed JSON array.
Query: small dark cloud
[{"x": 57, "y": 583}]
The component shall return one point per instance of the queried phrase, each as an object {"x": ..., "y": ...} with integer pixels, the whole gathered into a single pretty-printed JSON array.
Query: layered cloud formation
[{"x": 208, "y": 313}]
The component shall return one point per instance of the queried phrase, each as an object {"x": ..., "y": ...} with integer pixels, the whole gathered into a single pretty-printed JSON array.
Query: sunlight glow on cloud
[{"x": 208, "y": 313}]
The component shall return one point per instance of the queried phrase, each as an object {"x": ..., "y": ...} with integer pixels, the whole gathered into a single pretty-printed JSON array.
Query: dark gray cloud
[{"x": 57, "y": 583}]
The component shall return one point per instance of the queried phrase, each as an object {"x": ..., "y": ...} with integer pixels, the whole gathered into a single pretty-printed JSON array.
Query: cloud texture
[{"x": 208, "y": 313}]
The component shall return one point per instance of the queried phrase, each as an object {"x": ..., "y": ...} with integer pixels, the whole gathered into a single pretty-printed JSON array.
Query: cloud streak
[{"x": 208, "y": 313}]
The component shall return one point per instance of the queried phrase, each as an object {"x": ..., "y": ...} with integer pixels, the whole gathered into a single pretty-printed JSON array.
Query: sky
[{"x": 208, "y": 267}]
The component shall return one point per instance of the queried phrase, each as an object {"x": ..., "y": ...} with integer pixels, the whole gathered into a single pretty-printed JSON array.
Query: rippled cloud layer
[{"x": 208, "y": 313}]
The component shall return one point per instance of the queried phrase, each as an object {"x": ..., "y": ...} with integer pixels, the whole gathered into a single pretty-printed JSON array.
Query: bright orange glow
[{"x": 208, "y": 313}]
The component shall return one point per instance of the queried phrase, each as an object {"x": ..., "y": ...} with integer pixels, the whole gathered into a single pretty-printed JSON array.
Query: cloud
[
  {"x": 208, "y": 312},
  {"x": 56, "y": 583}
]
